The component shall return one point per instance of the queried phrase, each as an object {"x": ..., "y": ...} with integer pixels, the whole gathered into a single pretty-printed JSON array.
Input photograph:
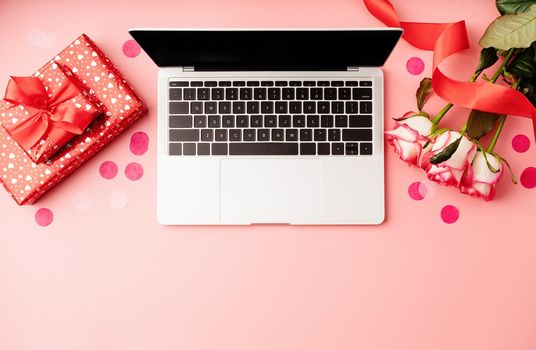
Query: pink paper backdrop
[{"x": 105, "y": 275}]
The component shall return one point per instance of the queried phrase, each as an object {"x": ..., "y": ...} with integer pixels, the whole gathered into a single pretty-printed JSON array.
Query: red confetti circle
[
  {"x": 131, "y": 48},
  {"x": 134, "y": 171},
  {"x": 414, "y": 191},
  {"x": 108, "y": 169},
  {"x": 415, "y": 65},
  {"x": 44, "y": 217},
  {"x": 528, "y": 177},
  {"x": 450, "y": 214},
  {"x": 520, "y": 143},
  {"x": 139, "y": 143}
]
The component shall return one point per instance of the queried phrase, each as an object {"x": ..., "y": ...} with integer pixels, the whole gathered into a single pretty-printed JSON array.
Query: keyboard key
[
  {"x": 316, "y": 94},
  {"x": 323, "y": 107},
  {"x": 298, "y": 121},
  {"x": 267, "y": 107},
  {"x": 323, "y": 149},
  {"x": 278, "y": 135},
  {"x": 256, "y": 121},
  {"x": 176, "y": 121},
  {"x": 183, "y": 135},
  {"x": 219, "y": 149},
  {"x": 274, "y": 93},
  {"x": 337, "y": 83},
  {"x": 220, "y": 135},
  {"x": 242, "y": 121},
  {"x": 345, "y": 94},
  {"x": 362, "y": 93},
  {"x": 302, "y": 94},
  {"x": 337, "y": 107},
  {"x": 246, "y": 93},
  {"x": 175, "y": 94},
  {"x": 179, "y": 108},
  {"x": 360, "y": 121},
  {"x": 207, "y": 135},
  {"x": 320, "y": 134},
  {"x": 267, "y": 83},
  {"x": 239, "y": 107},
  {"x": 351, "y": 107},
  {"x": 365, "y": 83},
  {"x": 178, "y": 83},
  {"x": 330, "y": 93},
  {"x": 189, "y": 94},
  {"x": 365, "y": 148},
  {"x": 211, "y": 83},
  {"x": 341, "y": 121},
  {"x": 252, "y": 83},
  {"x": 217, "y": 94},
  {"x": 326, "y": 121},
  {"x": 322, "y": 83},
  {"x": 239, "y": 83},
  {"x": 196, "y": 107},
  {"x": 294, "y": 83},
  {"x": 224, "y": 83},
  {"x": 351, "y": 83},
  {"x": 231, "y": 94},
  {"x": 263, "y": 149},
  {"x": 203, "y": 94},
  {"x": 352, "y": 149},
  {"x": 214, "y": 121},
  {"x": 188, "y": 149},
  {"x": 313, "y": 121},
  {"x": 307, "y": 149},
  {"x": 203, "y": 149},
  {"x": 200, "y": 121},
  {"x": 306, "y": 135},
  {"x": 235, "y": 135},
  {"x": 281, "y": 107},
  {"x": 309, "y": 83},
  {"x": 249, "y": 135},
  {"x": 196, "y": 83},
  {"x": 294, "y": 107},
  {"x": 291, "y": 134},
  {"x": 281, "y": 83},
  {"x": 211, "y": 107},
  {"x": 270, "y": 121},
  {"x": 288, "y": 93},
  {"x": 253, "y": 107},
  {"x": 263, "y": 135},
  {"x": 334, "y": 135},
  {"x": 284, "y": 121},
  {"x": 224, "y": 107},
  {"x": 175, "y": 149},
  {"x": 357, "y": 135},
  {"x": 259, "y": 93},
  {"x": 228, "y": 121},
  {"x": 365, "y": 107},
  {"x": 337, "y": 148},
  {"x": 309, "y": 107}
]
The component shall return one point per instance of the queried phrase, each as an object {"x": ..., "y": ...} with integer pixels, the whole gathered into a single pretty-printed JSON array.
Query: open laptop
[{"x": 269, "y": 126}]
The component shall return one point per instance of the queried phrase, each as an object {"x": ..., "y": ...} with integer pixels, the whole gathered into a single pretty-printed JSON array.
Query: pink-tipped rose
[
  {"x": 408, "y": 137},
  {"x": 479, "y": 181},
  {"x": 450, "y": 171}
]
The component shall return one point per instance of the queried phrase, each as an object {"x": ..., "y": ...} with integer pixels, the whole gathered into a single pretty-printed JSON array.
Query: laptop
[{"x": 269, "y": 126}]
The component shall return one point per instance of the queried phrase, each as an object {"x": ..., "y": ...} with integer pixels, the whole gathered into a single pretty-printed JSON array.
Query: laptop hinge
[
  {"x": 187, "y": 68},
  {"x": 352, "y": 68}
]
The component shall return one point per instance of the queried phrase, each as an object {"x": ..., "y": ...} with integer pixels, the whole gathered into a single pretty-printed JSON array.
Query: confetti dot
[
  {"x": 520, "y": 143},
  {"x": 108, "y": 170},
  {"x": 41, "y": 39},
  {"x": 118, "y": 200},
  {"x": 44, "y": 217},
  {"x": 81, "y": 201},
  {"x": 134, "y": 171},
  {"x": 139, "y": 142},
  {"x": 528, "y": 177},
  {"x": 450, "y": 214},
  {"x": 131, "y": 48},
  {"x": 414, "y": 192},
  {"x": 415, "y": 66}
]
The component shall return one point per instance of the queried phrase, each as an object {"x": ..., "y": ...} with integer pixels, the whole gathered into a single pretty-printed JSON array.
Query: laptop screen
[{"x": 268, "y": 49}]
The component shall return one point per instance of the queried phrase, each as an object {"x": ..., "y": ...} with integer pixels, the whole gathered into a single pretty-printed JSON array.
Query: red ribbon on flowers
[
  {"x": 46, "y": 112},
  {"x": 446, "y": 39}
]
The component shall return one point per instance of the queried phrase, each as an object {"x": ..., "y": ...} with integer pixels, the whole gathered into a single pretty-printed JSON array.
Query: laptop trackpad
[{"x": 271, "y": 190}]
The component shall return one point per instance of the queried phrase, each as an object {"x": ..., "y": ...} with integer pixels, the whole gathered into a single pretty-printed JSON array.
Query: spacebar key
[{"x": 263, "y": 149}]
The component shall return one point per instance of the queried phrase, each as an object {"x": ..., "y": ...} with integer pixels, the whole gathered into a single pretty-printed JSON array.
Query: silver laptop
[{"x": 269, "y": 126}]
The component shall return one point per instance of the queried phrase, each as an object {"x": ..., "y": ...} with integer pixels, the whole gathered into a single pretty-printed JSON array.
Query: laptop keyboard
[{"x": 270, "y": 118}]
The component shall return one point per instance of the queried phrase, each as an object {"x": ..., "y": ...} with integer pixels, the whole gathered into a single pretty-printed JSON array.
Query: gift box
[{"x": 27, "y": 180}]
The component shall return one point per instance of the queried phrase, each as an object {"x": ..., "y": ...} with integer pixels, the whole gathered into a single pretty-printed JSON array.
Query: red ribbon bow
[
  {"x": 446, "y": 39},
  {"x": 47, "y": 113}
]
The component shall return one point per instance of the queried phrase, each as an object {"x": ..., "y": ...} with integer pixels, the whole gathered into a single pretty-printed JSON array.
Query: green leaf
[
  {"x": 480, "y": 123},
  {"x": 446, "y": 153},
  {"x": 524, "y": 65},
  {"x": 511, "y": 31},
  {"x": 514, "y": 6},
  {"x": 423, "y": 92},
  {"x": 488, "y": 57}
]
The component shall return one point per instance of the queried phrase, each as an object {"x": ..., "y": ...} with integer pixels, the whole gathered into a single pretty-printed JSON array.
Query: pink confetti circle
[
  {"x": 415, "y": 65},
  {"x": 528, "y": 177},
  {"x": 521, "y": 143},
  {"x": 44, "y": 217},
  {"x": 134, "y": 171},
  {"x": 450, "y": 214},
  {"x": 414, "y": 191},
  {"x": 139, "y": 143},
  {"x": 108, "y": 169},
  {"x": 131, "y": 48}
]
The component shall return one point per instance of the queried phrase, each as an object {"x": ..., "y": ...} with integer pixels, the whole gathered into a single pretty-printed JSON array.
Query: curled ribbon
[
  {"x": 445, "y": 39},
  {"x": 46, "y": 113}
]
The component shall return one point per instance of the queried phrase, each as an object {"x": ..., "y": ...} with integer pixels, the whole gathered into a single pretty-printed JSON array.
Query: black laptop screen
[{"x": 268, "y": 49}]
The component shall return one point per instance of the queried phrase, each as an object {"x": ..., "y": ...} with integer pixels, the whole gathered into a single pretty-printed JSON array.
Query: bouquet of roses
[{"x": 461, "y": 158}]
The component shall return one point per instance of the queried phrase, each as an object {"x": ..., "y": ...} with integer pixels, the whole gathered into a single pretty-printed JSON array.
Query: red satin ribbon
[
  {"x": 446, "y": 39},
  {"x": 46, "y": 113}
]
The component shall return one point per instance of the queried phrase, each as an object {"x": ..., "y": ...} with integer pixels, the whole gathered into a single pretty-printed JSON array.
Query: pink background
[{"x": 104, "y": 278}]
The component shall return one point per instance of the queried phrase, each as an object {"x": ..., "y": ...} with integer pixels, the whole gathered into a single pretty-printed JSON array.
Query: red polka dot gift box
[{"x": 98, "y": 88}]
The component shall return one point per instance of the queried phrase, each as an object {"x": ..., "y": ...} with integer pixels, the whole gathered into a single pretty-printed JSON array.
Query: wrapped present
[
  {"x": 27, "y": 180},
  {"x": 42, "y": 113}
]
